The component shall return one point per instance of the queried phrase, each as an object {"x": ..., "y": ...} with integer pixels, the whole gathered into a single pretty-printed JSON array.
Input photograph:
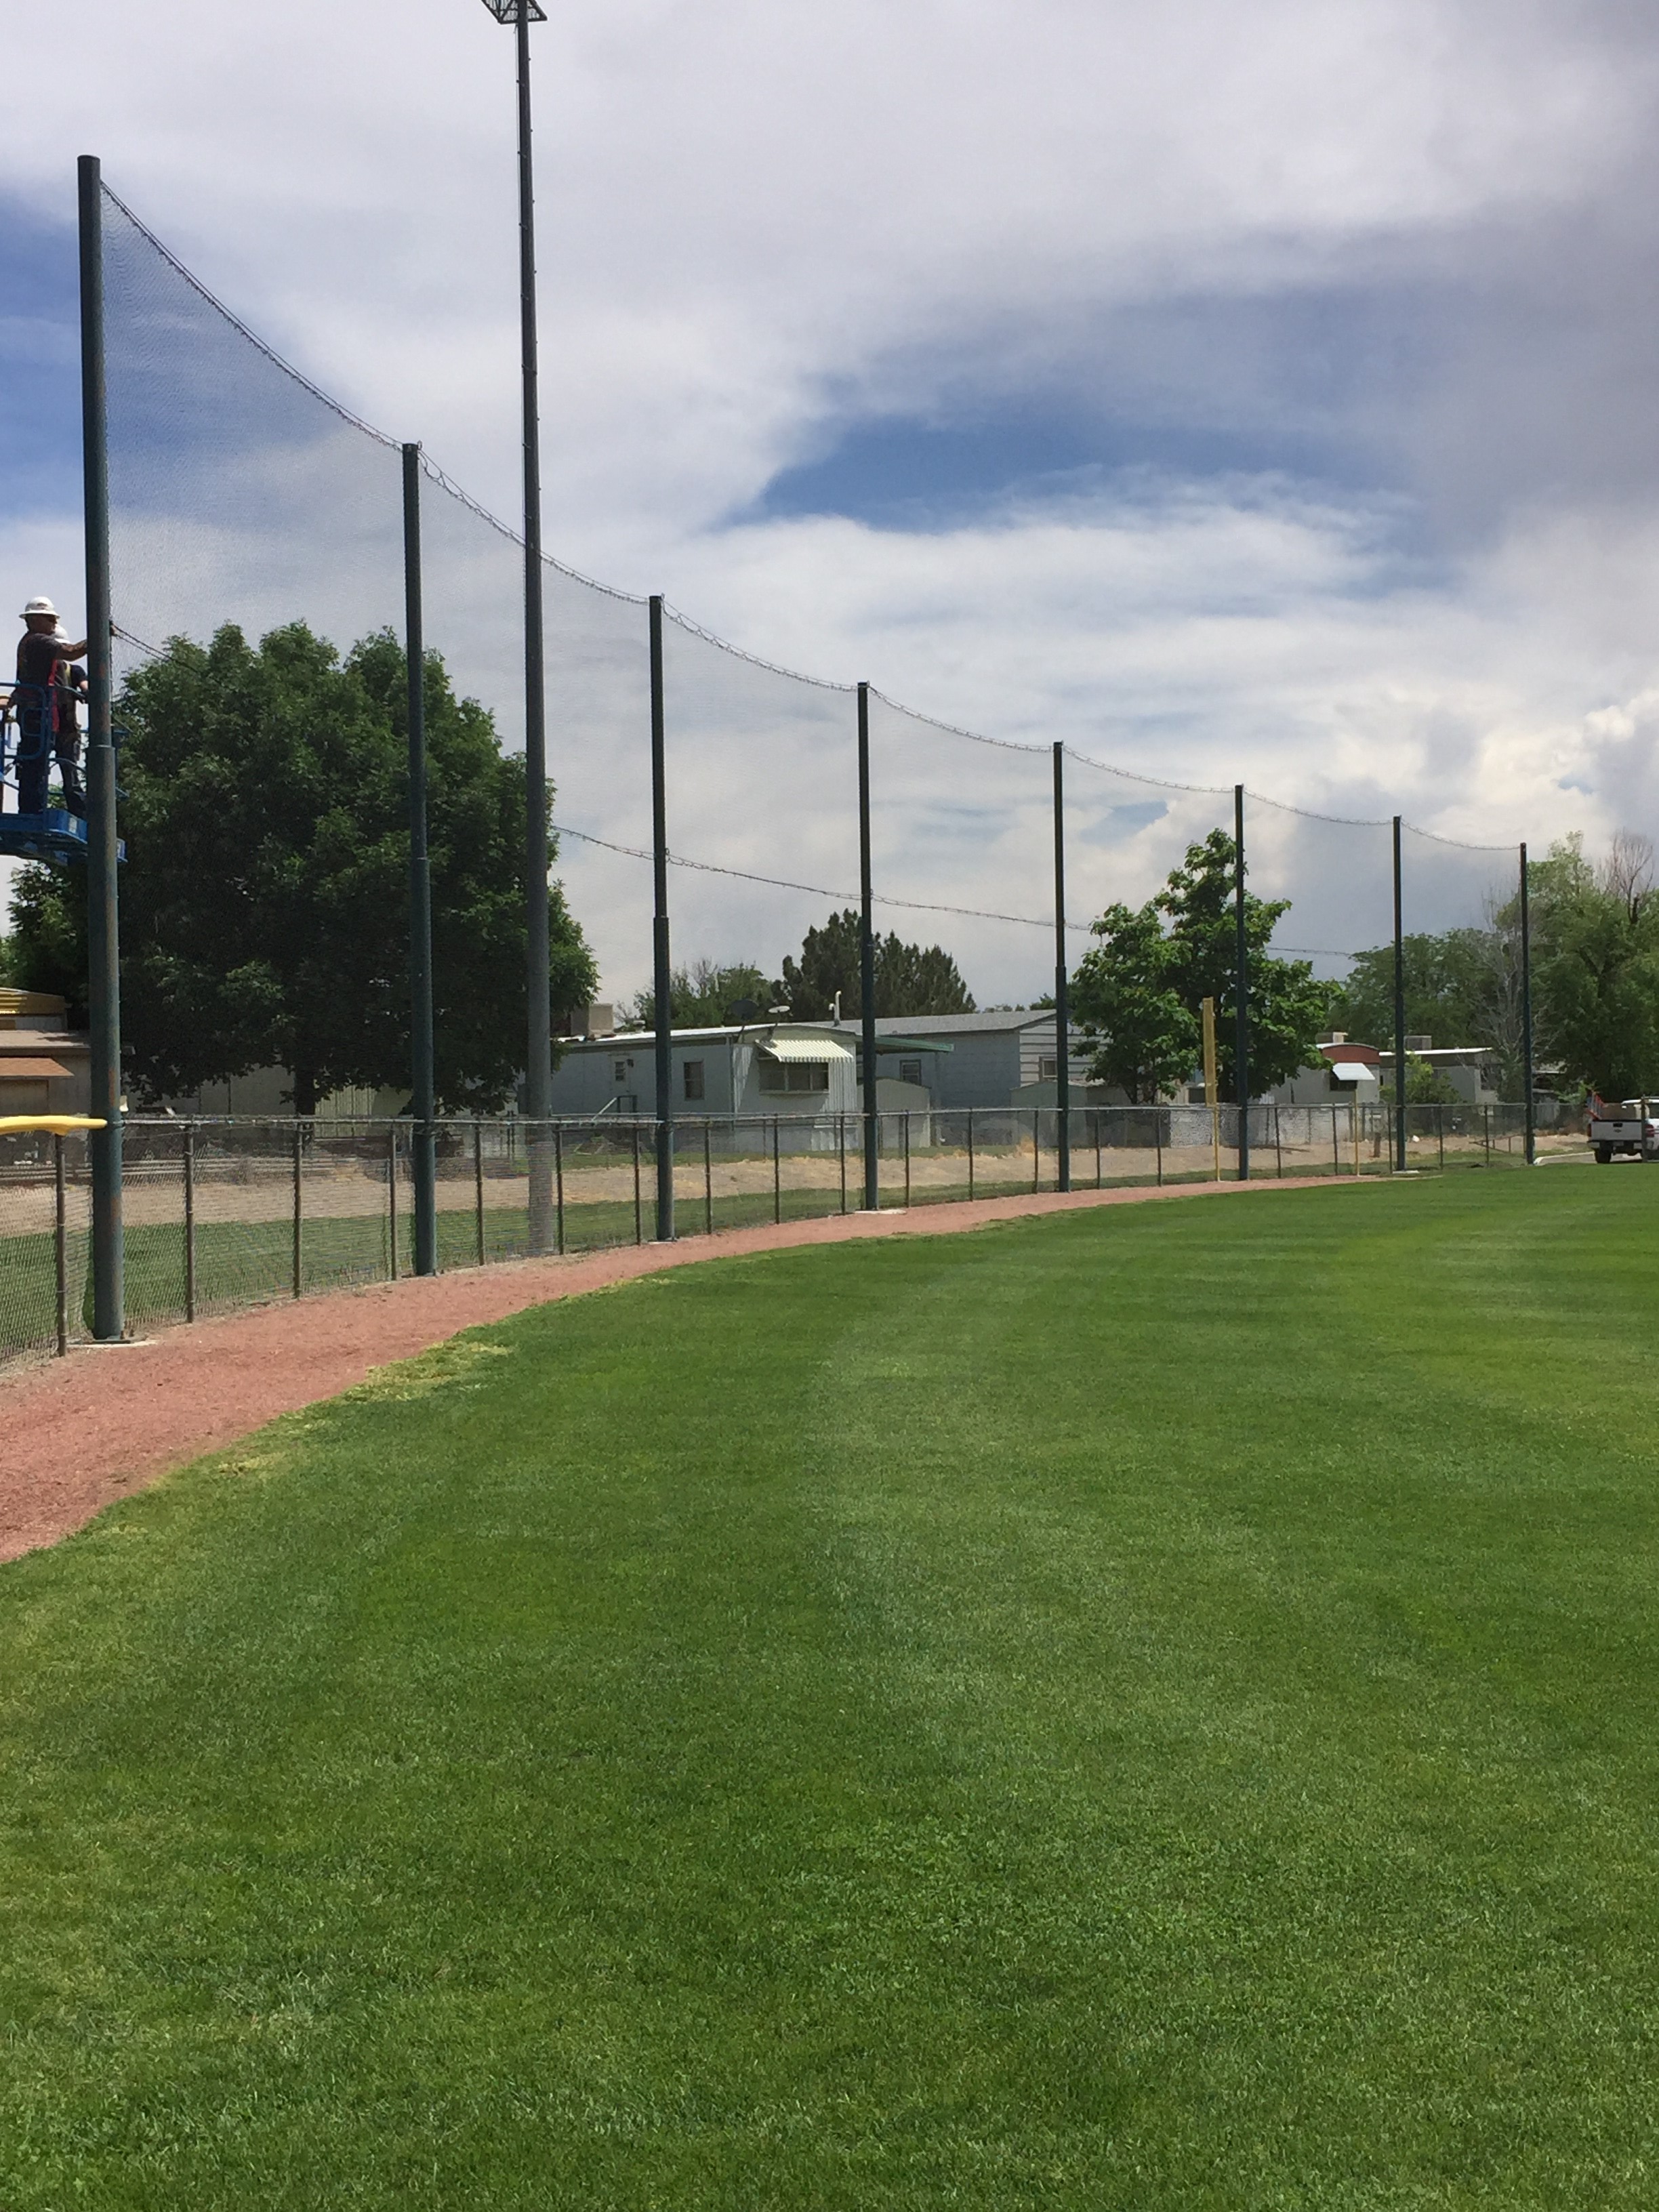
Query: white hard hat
[{"x": 39, "y": 607}]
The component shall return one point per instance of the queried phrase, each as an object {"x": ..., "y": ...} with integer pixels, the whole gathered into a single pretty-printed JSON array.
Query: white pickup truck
[{"x": 1633, "y": 1127}]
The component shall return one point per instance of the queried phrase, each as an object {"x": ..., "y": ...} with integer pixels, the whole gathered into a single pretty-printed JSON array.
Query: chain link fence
[{"x": 225, "y": 1214}]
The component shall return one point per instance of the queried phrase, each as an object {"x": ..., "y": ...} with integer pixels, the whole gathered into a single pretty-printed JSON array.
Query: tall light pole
[{"x": 539, "y": 1057}]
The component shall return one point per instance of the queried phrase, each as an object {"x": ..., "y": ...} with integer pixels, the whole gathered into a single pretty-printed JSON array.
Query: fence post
[
  {"x": 1440, "y": 1132},
  {"x": 709, "y": 1184},
  {"x": 558, "y": 1188},
  {"x": 1097, "y": 1114},
  {"x": 478, "y": 1188},
  {"x": 907, "y": 1158},
  {"x": 1157, "y": 1138},
  {"x": 60, "y": 1245},
  {"x": 1485, "y": 1127},
  {"x": 299, "y": 1188},
  {"x": 1279, "y": 1145},
  {"x": 190, "y": 1221},
  {"x": 638, "y": 1219},
  {"x": 1036, "y": 1152},
  {"x": 777, "y": 1179},
  {"x": 841, "y": 1149},
  {"x": 970, "y": 1155},
  {"x": 392, "y": 1198}
]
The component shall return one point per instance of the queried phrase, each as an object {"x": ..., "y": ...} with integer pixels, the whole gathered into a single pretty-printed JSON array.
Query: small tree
[
  {"x": 1141, "y": 991},
  {"x": 909, "y": 979},
  {"x": 1425, "y": 1084},
  {"x": 266, "y": 917},
  {"x": 702, "y": 995}
]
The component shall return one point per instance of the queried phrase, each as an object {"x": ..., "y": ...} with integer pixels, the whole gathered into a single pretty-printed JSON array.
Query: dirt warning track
[{"x": 83, "y": 1431}]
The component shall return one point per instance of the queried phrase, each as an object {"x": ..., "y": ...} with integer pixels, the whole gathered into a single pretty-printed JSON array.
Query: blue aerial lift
[{"x": 54, "y": 835}]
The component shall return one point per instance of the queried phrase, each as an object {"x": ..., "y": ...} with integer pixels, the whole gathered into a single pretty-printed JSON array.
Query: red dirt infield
[{"x": 80, "y": 1432}]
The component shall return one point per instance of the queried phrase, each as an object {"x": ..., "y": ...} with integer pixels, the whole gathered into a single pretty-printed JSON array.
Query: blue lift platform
[{"x": 55, "y": 836}]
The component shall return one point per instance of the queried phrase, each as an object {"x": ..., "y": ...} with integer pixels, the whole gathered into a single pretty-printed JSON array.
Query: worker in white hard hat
[{"x": 44, "y": 702}]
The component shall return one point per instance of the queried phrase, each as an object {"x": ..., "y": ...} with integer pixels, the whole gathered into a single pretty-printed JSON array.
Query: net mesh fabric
[{"x": 239, "y": 492}]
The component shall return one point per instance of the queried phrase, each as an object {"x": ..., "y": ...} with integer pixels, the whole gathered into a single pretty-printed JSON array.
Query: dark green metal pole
[
  {"x": 1241, "y": 988},
  {"x": 103, "y": 926},
  {"x": 1399, "y": 1007},
  {"x": 1062, "y": 1011},
  {"x": 422, "y": 1104},
  {"x": 538, "y": 1063},
  {"x": 867, "y": 965},
  {"x": 1525, "y": 1012},
  {"x": 663, "y": 971}
]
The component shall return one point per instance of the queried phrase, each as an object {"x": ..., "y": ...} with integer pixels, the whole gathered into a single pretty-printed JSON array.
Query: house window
[
  {"x": 792, "y": 1075},
  {"x": 693, "y": 1072},
  {"x": 1047, "y": 1067},
  {"x": 910, "y": 1071},
  {"x": 619, "y": 1071}
]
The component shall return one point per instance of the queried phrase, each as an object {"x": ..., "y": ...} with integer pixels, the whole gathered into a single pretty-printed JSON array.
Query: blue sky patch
[{"x": 40, "y": 364}]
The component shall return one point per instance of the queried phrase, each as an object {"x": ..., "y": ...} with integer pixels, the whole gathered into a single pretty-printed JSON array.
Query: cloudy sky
[{"x": 1260, "y": 393}]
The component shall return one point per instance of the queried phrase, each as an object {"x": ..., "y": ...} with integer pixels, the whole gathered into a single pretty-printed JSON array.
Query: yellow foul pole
[{"x": 1210, "y": 1097}]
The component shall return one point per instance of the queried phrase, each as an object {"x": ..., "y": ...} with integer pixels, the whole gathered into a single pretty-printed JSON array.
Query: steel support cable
[{"x": 882, "y": 898}]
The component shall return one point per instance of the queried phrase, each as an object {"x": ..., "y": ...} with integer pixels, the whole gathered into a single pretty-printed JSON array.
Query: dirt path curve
[{"x": 82, "y": 1431}]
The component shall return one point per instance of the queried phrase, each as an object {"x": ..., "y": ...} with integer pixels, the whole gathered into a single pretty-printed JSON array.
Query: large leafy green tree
[
  {"x": 910, "y": 979},
  {"x": 1456, "y": 990},
  {"x": 265, "y": 898},
  {"x": 1595, "y": 976},
  {"x": 1596, "y": 966},
  {"x": 1137, "y": 993}
]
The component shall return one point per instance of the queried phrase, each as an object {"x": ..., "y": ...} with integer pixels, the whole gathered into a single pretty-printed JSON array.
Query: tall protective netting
[{"x": 242, "y": 493}]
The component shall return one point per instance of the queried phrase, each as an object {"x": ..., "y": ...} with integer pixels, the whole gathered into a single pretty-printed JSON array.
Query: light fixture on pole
[{"x": 539, "y": 1057}]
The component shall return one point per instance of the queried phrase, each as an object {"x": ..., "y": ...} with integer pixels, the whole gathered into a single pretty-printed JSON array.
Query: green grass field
[{"x": 1143, "y": 1709}]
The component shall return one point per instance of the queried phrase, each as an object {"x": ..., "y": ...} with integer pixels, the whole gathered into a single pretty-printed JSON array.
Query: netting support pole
[
  {"x": 867, "y": 965},
  {"x": 423, "y": 1105},
  {"x": 1527, "y": 1021},
  {"x": 662, "y": 969},
  {"x": 1399, "y": 1009},
  {"x": 1241, "y": 988},
  {"x": 1062, "y": 1011},
  {"x": 103, "y": 932},
  {"x": 538, "y": 1056}
]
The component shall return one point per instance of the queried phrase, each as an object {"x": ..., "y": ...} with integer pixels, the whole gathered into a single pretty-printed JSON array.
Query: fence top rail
[{"x": 358, "y": 1124}]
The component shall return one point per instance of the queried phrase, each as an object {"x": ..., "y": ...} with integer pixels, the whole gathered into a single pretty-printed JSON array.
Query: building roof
[
  {"x": 1005, "y": 1018},
  {"x": 30, "y": 1009},
  {"x": 1367, "y": 1054},
  {"x": 765, "y": 1034}
]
